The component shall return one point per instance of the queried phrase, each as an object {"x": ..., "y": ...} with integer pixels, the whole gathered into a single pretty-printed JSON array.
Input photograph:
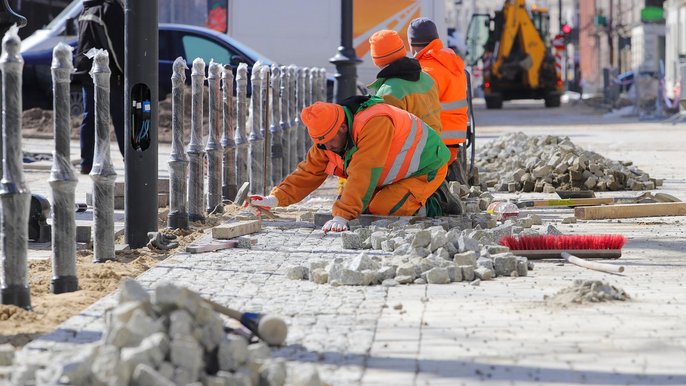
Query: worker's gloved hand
[
  {"x": 336, "y": 224},
  {"x": 268, "y": 201}
]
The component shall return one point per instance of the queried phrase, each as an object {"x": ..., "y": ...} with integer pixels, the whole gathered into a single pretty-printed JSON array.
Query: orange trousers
[{"x": 405, "y": 197}]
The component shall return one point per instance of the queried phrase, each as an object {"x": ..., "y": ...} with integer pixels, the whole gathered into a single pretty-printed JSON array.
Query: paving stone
[
  {"x": 552, "y": 230},
  {"x": 504, "y": 264},
  {"x": 273, "y": 372},
  {"x": 483, "y": 273},
  {"x": 6, "y": 354},
  {"x": 385, "y": 273},
  {"x": 437, "y": 276},
  {"x": 232, "y": 353},
  {"x": 465, "y": 258},
  {"x": 522, "y": 265},
  {"x": 405, "y": 279},
  {"x": 421, "y": 239},
  {"x": 144, "y": 375},
  {"x": 377, "y": 238},
  {"x": 467, "y": 272},
  {"x": 496, "y": 249},
  {"x": 180, "y": 323},
  {"x": 297, "y": 272},
  {"x": 351, "y": 240},
  {"x": 320, "y": 276},
  {"x": 407, "y": 269},
  {"x": 186, "y": 352},
  {"x": 454, "y": 273},
  {"x": 390, "y": 283},
  {"x": 485, "y": 262},
  {"x": 363, "y": 262},
  {"x": 569, "y": 220},
  {"x": 131, "y": 290}
]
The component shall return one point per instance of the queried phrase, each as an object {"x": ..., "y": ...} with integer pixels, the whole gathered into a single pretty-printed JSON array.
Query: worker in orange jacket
[
  {"x": 393, "y": 161},
  {"x": 447, "y": 70}
]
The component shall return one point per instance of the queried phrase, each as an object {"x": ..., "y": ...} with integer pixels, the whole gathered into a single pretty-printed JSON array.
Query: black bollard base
[
  {"x": 196, "y": 217},
  {"x": 229, "y": 193},
  {"x": 63, "y": 284},
  {"x": 17, "y": 295},
  {"x": 177, "y": 220}
]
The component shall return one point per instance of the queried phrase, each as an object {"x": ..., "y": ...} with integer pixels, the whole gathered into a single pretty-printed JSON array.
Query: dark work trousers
[{"x": 88, "y": 122}]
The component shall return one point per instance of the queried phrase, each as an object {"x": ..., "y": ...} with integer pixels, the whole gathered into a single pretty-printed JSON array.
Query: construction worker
[
  {"x": 447, "y": 70},
  {"x": 401, "y": 81},
  {"x": 393, "y": 161}
]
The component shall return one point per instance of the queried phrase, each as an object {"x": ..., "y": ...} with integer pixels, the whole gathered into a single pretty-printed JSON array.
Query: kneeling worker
[{"x": 393, "y": 161}]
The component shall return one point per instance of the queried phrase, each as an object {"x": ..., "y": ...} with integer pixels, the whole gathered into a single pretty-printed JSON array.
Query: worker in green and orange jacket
[
  {"x": 447, "y": 70},
  {"x": 393, "y": 161}
]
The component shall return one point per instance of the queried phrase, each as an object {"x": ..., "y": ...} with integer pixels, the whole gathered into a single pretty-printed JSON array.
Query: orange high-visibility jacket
[
  {"x": 386, "y": 145},
  {"x": 447, "y": 70}
]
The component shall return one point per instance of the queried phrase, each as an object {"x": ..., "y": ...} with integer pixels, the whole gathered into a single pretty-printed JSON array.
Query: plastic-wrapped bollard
[
  {"x": 196, "y": 152},
  {"x": 14, "y": 193},
  {"x": 62, "y": 178},
  {"x": 213, "y": 148},
  {"x": 178, "y": 160},
  {"x": 229, "y": 188}
]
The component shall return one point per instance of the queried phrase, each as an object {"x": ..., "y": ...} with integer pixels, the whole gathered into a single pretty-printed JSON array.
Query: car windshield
[{"x": 252, "y": 53}]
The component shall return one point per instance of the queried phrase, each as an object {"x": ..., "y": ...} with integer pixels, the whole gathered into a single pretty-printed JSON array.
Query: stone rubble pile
[
  {"x": 519, "y": 163},
  {"x": 170, "y": 338},
  {"x": 439, "y": 251},
  {"x": 587, "y": 291}
]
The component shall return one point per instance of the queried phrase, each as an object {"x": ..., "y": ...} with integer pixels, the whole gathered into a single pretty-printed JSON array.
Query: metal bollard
[
  {"x": 240, "y": 136},
  {"x": 285, "y": 120},
  {"x": 178, "y": 160},
  {"x": 213, "y": 148},
  {"x": 294, "y": 116},
  {"x": 276, "y": 151},
  {"x": 256, "y": 147},
  {"x": 102, "y": 174},
  {"x": 311, "y": 98},
  {"x": 302, "y": 149},
  {"x": 14, "y": 193},
  {"x": 62, "y": 178},
  {"x": 196, "y": 153},
  {"x": 322, "y": 84},
  {"x": 264, "y": 129},
  {"x": 229, "y": 187}
]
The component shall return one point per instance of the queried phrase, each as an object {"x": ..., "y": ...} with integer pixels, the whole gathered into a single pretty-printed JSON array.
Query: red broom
[{"x": 551, "y": 246}]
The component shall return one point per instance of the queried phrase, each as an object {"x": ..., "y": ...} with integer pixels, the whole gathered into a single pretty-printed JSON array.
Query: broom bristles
[{"x": 542, "y": 242}]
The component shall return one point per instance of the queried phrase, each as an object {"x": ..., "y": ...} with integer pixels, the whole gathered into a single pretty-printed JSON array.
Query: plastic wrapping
[
  {"x": 276, "y": 139},
  {"x": 178, "y": 160},
  {"x": 285, "y": 120},
  {"x": 240, "y": 136},
  {"x": 256, "y": 147},
  {"x": 62, "y": 177},
  {"x": 14, "y": 193},
  {"x": 302, "y": 76},
  {"x": 213, "y": 148},
  {"x": 196, "y": 152},
  {"x": 293, "y": 113},
  {"x": 229, "y": 187},
  {"x": 264, "y": 128},
  {"x": 102, "y": 173}
]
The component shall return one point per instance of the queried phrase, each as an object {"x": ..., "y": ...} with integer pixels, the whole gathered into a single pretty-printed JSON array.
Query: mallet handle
[{"x": 594, "y": 265}]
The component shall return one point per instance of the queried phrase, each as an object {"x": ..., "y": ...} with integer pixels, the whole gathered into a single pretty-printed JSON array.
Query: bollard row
[{"x": 262, "y": 137}]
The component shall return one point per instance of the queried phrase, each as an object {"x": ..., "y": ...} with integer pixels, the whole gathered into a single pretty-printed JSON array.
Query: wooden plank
[
  {"x": 214, "y": 245},
  {"x": 235, "y": 229},
  {"x": 574, "y": 202},
  {"x": 631, "y": 211}
]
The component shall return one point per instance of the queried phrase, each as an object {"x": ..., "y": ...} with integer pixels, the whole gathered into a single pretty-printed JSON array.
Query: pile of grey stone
[
  {"x": 587, "y": 291},
  {"x": 516, "y": 162},
  {"x": 438, "y": 251},
  {"x": 170, "y": 338}
]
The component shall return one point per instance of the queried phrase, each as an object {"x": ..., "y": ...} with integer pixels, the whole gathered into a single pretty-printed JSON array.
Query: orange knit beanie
[
  {"x": 386, "y": 47},
  {"x": 322, "y": 120}
]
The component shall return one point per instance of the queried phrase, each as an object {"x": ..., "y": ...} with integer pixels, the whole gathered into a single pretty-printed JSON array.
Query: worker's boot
[
  {"x": 448, "y": 202},
  {"x": 458, "y": 170}
]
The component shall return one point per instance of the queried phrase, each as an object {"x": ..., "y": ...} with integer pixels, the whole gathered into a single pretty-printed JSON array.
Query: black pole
[
  {"x": 141, "y": 87},
  {"x": 346, "y": 59},
  {"x": 559, "y": 15}
]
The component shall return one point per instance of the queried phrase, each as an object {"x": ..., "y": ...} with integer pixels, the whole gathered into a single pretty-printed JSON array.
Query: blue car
[{"x": 188, "y": 42}]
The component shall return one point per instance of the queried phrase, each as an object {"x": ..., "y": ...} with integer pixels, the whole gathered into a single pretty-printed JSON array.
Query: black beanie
[{"x": 421, "y": 31}]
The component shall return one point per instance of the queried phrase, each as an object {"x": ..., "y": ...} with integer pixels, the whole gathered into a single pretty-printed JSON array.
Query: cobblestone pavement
[{"x": 498, "y": 333}]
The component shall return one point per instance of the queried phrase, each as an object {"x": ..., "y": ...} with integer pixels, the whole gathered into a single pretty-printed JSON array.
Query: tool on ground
[
  {"x": 538, "y": 247},
  {"x": 161, "y": 241},
  {"x": 242, "y": 194},
  {"x": 575, "y": 193},
  {"x": 594, "y": 265},
  {"x": 570, "y": 202},
  {"x": 631, "y": 211},
  {"x": 271, "y": 329}
]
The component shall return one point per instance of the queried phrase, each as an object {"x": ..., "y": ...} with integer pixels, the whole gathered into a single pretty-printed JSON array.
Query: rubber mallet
[{"x": 271, "y": 329}]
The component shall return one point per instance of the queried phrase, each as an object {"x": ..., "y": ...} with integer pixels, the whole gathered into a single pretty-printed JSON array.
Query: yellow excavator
[{"x": 514, "y": 50}]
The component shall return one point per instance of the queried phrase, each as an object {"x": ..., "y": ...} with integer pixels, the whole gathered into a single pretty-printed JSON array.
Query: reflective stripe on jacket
[
  {"x": 386, "y": 145},
  {"x": 447, "y": 70}
]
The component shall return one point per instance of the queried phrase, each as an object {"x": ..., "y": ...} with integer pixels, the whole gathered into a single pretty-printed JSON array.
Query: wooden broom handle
[{"x": 602, "y": 267}]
